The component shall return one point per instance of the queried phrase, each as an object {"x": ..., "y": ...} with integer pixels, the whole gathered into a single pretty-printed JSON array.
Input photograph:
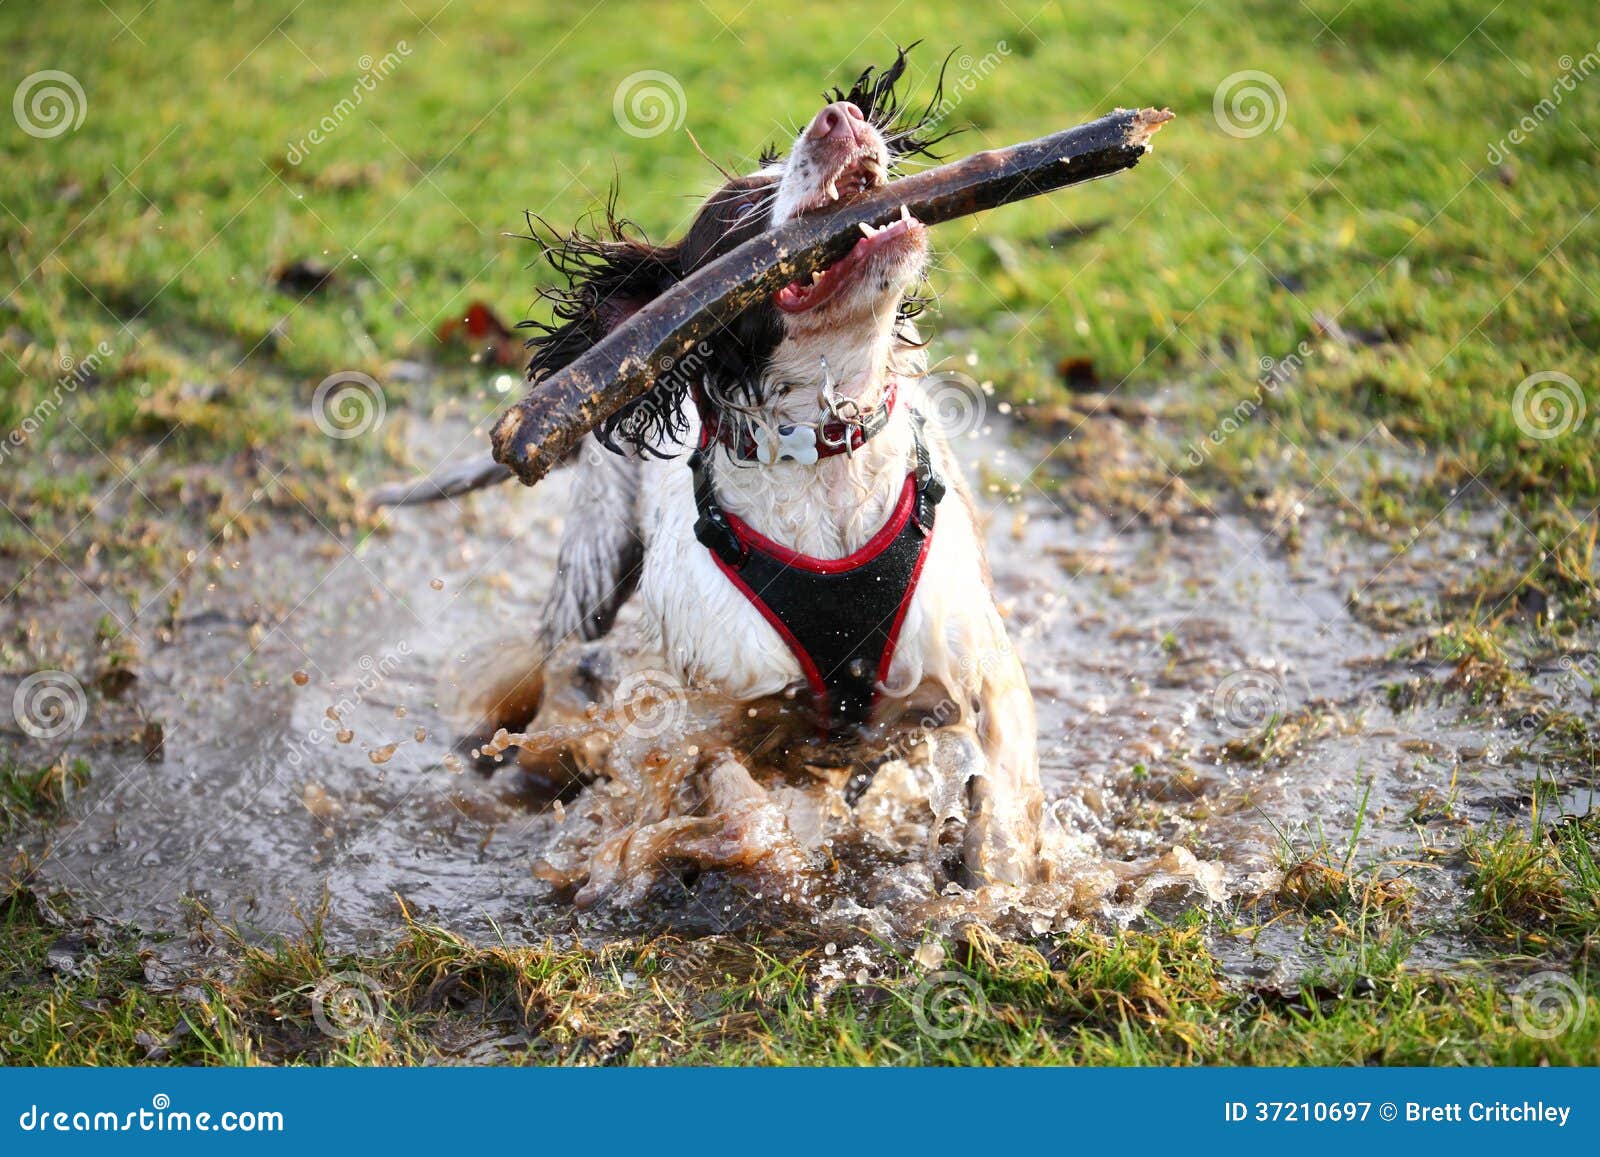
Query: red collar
[{"x": 747, "y": 442}]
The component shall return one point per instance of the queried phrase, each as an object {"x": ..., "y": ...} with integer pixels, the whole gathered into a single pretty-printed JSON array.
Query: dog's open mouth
[
  {"x": 858, "y": 175},
  {"x": 800, "y": 296}
]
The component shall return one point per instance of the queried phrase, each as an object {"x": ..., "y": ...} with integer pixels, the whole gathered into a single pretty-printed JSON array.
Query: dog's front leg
[{"x": 1000, "y": 767}]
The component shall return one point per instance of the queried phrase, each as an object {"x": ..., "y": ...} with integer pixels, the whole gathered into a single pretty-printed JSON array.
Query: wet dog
[{"x": 784, "y": 506}]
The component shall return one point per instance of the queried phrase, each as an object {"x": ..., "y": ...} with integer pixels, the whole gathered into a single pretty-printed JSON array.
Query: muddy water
[{"x": 308, "y": 756}]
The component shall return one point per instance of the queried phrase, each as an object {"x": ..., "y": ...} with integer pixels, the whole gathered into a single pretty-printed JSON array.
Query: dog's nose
[{"x": 838, "y": 119}]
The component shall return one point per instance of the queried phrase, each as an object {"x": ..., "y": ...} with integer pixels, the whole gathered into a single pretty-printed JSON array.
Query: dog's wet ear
[
  {"x": 907, "y": 133},
  {"x": 730, "y": 216},
  {"x": 610, "y": 276},
  {"x": 606, "y": 279}
]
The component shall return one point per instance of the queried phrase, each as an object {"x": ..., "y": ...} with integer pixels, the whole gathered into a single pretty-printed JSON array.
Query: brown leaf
[{"x": 492, "y": 340}]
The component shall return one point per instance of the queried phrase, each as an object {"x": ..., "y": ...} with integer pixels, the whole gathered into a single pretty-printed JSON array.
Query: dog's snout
[{"x": 839, "y": 119}]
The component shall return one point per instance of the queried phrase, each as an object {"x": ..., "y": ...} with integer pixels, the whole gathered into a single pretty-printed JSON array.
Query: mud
[{"x": 308, "y": 755}]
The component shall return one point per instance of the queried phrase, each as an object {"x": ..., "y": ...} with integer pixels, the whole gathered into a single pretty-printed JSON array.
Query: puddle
[{"x": 308, "y": 750}]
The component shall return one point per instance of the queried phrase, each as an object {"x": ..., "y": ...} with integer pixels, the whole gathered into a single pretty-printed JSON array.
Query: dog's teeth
[
  {"x": 868, "y": 230},
  {"x": 816, "y": 277},
  {"x": 905, "y": 214},
  {"x": 833, "y": 191}
]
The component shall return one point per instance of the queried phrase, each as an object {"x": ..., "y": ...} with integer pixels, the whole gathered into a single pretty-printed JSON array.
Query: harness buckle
[
  {"x": 711, "y": 526},
  {"x": 930, "y": 487},
  {"x": 717, "y": 536}
]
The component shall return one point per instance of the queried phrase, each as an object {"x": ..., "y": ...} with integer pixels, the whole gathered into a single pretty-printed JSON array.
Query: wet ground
[{"x": 307, "y": 754}]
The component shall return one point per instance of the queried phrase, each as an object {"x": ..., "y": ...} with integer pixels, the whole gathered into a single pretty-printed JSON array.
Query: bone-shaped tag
[{"x": 793, "y": 444}]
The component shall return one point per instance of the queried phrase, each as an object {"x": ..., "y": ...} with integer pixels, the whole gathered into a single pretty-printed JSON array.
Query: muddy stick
[
  {"x": 449, "y": 482},
  {"x": 536, "y": 433}
]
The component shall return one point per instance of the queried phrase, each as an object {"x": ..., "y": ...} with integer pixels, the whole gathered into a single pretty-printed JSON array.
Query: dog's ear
[
  {"x": 610, "y": 277},
  {"x": 606, "y": 279}
]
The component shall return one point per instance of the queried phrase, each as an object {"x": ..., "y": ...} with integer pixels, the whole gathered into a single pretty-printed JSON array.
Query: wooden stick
[
  {"x": 536, "y": 433},
  {"x": 452, "y": 480}
]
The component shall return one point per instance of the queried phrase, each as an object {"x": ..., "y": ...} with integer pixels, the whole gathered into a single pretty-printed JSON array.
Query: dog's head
[{"x": 850, "y": 313}]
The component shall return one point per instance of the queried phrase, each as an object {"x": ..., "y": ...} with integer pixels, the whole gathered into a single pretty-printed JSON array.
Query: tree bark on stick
[{"x": 536, "y": 433}]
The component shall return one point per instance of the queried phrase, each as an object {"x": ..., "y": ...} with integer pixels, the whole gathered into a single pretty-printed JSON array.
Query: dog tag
[{"x": 792, "y": 444}]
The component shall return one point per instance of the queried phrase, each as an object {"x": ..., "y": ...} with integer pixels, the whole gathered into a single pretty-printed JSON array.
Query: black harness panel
[{"x": 840, "y": 618}]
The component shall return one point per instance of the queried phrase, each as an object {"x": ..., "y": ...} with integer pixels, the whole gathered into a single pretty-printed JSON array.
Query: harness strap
[{"x": 841, "y": 618}]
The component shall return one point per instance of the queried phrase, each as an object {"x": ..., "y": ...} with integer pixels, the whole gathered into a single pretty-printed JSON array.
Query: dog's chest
[{"x": 712, "y": 632}]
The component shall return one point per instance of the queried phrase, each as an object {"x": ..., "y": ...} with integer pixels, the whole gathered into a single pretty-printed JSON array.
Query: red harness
[{"x": 840, "y": 617}]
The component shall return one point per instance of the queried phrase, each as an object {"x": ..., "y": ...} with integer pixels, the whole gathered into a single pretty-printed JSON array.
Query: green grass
[
  {"x": 140, "y": 250},
  {"x": 28, "y": 794},
  {"x": 1156, "y": 998},
  {"x": 1541, "y": 887}
]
